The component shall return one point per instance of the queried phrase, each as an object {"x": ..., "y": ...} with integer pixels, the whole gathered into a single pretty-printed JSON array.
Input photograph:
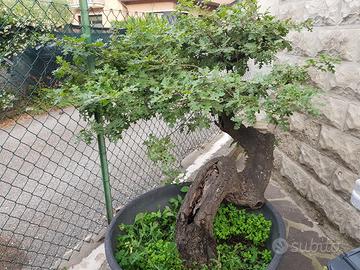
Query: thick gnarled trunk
[{"x": 218, "y": 181}]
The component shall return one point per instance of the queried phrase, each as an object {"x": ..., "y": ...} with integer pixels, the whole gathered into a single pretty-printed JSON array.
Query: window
[
  {"x": 162, "y": 13},
  {"x": 95, "y": 20},
  {"x": 167, "y": 14}
]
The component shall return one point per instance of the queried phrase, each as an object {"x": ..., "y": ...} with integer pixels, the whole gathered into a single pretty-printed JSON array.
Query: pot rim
[{"x": 109, "y": 252}]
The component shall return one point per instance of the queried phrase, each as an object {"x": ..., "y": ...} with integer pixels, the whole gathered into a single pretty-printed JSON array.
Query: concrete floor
[{"x": 307, "y": 247}]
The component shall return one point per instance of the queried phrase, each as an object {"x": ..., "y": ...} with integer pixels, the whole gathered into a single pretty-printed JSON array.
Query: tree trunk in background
[{"x": 218, "y": 181}]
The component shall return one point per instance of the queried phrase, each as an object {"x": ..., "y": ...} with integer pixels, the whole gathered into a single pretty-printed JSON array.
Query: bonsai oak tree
[{"x": 191, "y": 71}]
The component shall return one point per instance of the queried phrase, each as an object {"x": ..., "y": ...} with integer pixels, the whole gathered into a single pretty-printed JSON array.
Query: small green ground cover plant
[{"x": 149, "y": 243}]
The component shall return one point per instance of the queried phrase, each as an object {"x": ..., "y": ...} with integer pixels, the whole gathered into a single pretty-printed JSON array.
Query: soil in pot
[{"x": 149, "y": 243}]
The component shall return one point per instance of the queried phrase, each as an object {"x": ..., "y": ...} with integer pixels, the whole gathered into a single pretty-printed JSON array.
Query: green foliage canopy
[{"x": 187, "y": 70}]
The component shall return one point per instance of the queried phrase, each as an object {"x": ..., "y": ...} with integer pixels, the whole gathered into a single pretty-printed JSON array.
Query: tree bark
[
  {"x": 218, "y": 181},
  {"x": 254, "y": 179}
]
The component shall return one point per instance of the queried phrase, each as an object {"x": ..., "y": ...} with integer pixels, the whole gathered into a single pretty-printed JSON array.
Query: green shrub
[
  {"x": 149, "y": 243},
  {"x": 240, "y": 256},
  {"x": 24, "y": 24},
  {"x": 231, "y": 221},
  {"x": 6, "y": 100}
]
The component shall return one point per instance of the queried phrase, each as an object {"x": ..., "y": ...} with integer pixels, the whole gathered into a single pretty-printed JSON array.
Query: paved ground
[
  {"x": 50, "y": 185},
  {"x": 307, "y": 246}
]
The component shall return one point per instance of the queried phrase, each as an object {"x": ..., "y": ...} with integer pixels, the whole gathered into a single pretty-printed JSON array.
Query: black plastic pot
[{"x": 157, "y": 199}]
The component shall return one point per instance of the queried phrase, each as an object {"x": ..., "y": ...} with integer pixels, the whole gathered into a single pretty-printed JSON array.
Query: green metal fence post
[
  {"x": 86, "y": 30},
  {"x": 104, "y": 171}
]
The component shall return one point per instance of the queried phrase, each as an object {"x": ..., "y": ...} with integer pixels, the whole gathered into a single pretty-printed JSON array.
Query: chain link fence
[{"x": 51, "y": 195}]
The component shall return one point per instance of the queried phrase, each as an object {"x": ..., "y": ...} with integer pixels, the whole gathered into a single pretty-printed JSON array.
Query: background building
[{"x": 105, "y": 11}]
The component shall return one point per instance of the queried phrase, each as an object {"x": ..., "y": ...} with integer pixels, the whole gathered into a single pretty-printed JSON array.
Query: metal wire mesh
[{"x": 51, "y": 197}]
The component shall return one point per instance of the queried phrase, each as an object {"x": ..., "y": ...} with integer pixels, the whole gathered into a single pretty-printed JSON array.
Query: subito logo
[{"x": 280, "y": 246}]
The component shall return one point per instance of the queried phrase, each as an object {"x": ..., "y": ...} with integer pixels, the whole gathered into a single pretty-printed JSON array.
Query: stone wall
[{"x": 321, "y": 157}]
